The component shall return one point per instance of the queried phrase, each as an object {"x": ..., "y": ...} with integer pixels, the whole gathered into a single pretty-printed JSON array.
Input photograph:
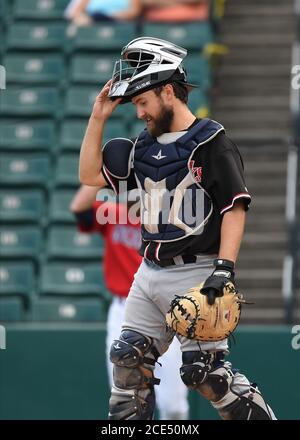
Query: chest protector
[{"x": 174, "y": 205}]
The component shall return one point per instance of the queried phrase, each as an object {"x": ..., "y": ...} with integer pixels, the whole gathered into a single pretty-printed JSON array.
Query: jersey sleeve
[
  {"x": 226, "y": 175},
  {"x": 117, "y": 164}
]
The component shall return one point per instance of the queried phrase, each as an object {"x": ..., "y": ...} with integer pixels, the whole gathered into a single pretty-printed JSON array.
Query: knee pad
[
  {"x": 196, "y": 366},
  {"x": 131, "y": 404},
  {"x": 134, "y": 357}
]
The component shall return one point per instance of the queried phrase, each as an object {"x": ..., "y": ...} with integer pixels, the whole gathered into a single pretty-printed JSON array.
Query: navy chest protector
[{"x": 173, "y": 204}]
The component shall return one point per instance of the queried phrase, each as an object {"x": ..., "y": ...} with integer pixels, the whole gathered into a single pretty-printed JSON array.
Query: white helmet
[{"x": 146, "y": 63}]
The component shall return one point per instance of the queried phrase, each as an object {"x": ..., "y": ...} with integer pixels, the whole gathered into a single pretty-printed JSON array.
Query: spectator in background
[
  {"x": 86, "y": 12},
  {"x": 121, "y": 261},
  {"x": 175, "y": 10}
]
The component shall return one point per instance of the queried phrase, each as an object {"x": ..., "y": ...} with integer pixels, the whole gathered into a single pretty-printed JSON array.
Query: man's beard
[{"x": 162, "y": 123}]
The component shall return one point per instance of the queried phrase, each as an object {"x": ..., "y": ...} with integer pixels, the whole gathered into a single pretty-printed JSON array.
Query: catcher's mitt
[{"x": 191, "y": 315}]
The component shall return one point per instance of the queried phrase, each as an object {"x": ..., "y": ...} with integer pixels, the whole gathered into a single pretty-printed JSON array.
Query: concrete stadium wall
[{"x": 55, "y": 371}]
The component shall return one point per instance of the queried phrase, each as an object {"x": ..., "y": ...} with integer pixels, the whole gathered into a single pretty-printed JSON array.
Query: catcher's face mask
[{"x": 147, "y": 63}]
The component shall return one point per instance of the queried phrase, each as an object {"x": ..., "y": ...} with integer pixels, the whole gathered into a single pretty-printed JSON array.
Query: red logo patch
[{"x": 197, "y": 171}]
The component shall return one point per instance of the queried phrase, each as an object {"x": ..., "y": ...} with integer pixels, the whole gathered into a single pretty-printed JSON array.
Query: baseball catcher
[{"x": 193, "y": 203}]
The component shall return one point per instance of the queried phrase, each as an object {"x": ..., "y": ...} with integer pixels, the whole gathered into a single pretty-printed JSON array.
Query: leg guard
[
  {"x": 133, "y": 397},
  {"x": 229, "y": 391}
]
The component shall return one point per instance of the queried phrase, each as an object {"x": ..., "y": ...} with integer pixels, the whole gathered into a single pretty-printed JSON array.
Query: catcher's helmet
[{"x": 146, "y": 63}]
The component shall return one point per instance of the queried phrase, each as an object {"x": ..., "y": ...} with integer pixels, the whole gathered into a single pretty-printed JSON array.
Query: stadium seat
[
  {"x": 72, "y": 279},
  {"x": 73, "y": 130},
  {"x": 21, "y": 206},
  {"x": 68, "y": 243},
  {"x": 25, "y": 135},
  {"x": 2, "y": 8},
  {"x": 192, "y": 36},
  {"x": 199, "y": 71},
  {"x": 199, "y": 103},
  {"x": 34, "y": 68},
  {"x": 66, "y": 173},
  {"x": 92, "y": 69},
  {"x": 36, "y": 36},
  {"x": 29, "y": 101},
  {"x": 17, "y": 279},
  {"x": 72, "y": 133},
  {"x": 59, "y": 206},
  {"x": 11, "y": 310},
  {"x": 107, "y": 37},
  {"x": 4, "y": 12},
  {"x": 20, "y": 242},
  {"x": 24, "y": 169},
  {"x": 79, "y": 102},
  {"x": 69, "y": 310},
  {"x": 115, "y": 128},
  {"x": 136, "y": 128},
  {"x": 2, "y": 45},
  {"x": 39, "y": 9}
]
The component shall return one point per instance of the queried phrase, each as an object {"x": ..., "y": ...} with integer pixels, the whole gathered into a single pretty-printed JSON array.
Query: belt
[{"x": 178, "y": 260}]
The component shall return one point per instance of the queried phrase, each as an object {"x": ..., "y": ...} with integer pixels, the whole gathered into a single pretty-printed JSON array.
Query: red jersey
[{"x": 121, "y": 259}]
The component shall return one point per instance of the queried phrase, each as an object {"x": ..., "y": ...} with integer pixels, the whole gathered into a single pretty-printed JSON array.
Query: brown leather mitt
[{"x": 191, "y": 315}]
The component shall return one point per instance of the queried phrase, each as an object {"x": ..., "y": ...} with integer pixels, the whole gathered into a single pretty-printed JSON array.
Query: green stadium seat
[
  {"x": 24, "y": 169},
  {"x": 72, "y": 279},
  {"x": 66, "y": 173},
  {"x": 25, "y": 135},
  {"x": 115, "y": 128},
  {"x": 92, "y": 69},
  {"x": 36, "y": 36},
  {"x": 2, "y": 8},
  {"x": 73, "y": 130},
  {"x": 72, "y": 133},
  {"x": 80, "y": 100},
  {"x": 29, "y": 101},
  {"x": 192, "y": 36},
  {"x": 11, "y": 310},
  {"x": 68, "y": 243},
  {"x": 59, "y": 211},
  {"x": 69, "y": 310},
  {"x": 137, "y": 127},
  {"x": 17, "y": 280},
  {"x": 21, "y": 206},
  {"x": 107, "y": 37},
  {"x": 2, "y": 42},
  {"x": 199, "y": 72},
  {"x": 39, "y": 9},
  {"x": 34, "y": 68},
  {"x": 199, "y": 103},
  {"x": 20, "y": 242},
  {"x": 4, "y": 11}
]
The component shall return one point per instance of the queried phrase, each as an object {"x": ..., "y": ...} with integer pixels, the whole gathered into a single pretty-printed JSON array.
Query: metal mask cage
[{"x": 126, "y": 69}]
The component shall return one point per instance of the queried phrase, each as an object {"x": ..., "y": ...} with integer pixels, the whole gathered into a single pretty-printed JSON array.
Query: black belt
[{"x": 181, "y": 259}]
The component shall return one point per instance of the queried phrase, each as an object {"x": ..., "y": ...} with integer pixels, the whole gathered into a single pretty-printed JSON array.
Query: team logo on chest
[{"x": 197, "y": 171}]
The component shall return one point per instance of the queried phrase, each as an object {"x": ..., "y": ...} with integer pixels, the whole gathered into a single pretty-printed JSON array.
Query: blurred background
[{"x": 245, "y": 55}]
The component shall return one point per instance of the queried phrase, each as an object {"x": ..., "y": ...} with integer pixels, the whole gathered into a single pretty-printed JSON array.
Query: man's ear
[{"x": 169, "y": 92}]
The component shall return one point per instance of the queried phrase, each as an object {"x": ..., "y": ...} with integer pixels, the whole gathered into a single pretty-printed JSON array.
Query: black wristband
[{"x": 224, "y": 264}]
